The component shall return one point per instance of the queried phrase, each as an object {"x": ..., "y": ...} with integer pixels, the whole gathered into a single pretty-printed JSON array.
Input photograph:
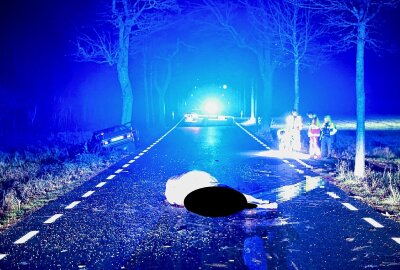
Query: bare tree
[
  {"x": 256, "y": 38},
  {"x": 162, "y": 82},
  {"x": 355, "y": 22},
  {"x": 299, "y": 33},
  {"x": 147, "y": 84},
  {"x": 110, "y": 41},
  {"x": 163, "y": 87}
]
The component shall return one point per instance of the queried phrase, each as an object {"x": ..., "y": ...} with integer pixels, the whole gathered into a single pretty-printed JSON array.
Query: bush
[{"x": 11, "y": 201}]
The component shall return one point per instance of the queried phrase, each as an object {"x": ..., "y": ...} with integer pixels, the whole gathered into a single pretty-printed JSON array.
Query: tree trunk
[
  {"x": 161, "y": 105},
  {"x": 267, "y": 100},
  {"x": 359, "y": 169},
  {"x": 252, "y": 102},
  {"x": 146, "y": 86},
  {"x": 296, "y": 59},
  {"x": 123, "y": 73},
  {"x": 127, "y": 97},
  {"x": 267, "y": 69},
  {"x": 163, "y": 89},
  {"x": 296, "y": 84},
  {"x": 151, "y": 92}
]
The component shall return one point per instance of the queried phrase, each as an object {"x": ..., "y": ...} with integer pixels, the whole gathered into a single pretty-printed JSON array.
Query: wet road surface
[{"x": 120, "y": 220}]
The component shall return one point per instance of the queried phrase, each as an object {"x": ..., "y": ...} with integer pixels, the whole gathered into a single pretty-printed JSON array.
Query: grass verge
[
  {"x": 380, "y": 188},
  {"x": 34, "y": 176}
]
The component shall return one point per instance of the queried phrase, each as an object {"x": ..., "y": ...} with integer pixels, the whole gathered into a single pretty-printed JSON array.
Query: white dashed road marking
[
  {"x": 87, "y": 194},
  {"x": 251, "y": 135},
  {"x": 53, "y": 218},
  {"x": 26, "y": 237},
  {"x": 333, "y": 195},
  {"x": 350, "y": 206},
  {"x": 373, "y": 222},
  {"x": 72, "y": 205},
  {"x": 396, "y": 239},
  {"x": 303, "y": 163},
  {"x": 99, "y": 185},
  {"x": 294, "y": 266},
  {"x": 126, "y": 165}
]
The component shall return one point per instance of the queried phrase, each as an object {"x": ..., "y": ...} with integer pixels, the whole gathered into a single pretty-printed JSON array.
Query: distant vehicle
[
  {"x": 211, "y": 113},
  {"x": 113, "y": 137},
  {"x": 192, "y": 117}
]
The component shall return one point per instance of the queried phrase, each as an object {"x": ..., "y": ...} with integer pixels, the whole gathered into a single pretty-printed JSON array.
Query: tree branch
[{"x": 132, "y": 20}]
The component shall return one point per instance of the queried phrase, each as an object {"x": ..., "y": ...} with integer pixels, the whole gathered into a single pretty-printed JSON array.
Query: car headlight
[{"x": 212, "y": 106}]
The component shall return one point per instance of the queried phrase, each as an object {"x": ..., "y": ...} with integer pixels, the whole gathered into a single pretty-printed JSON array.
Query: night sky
[{"x": 37, "y": 66}]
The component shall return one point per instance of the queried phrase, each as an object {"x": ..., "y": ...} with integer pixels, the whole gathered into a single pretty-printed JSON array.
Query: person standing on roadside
[
  {"x": 328, "y": 131},
  {"x": 314, "y": 132},
  {"x": 294, "y": 124},
  {"x": 312, "y": 116}
]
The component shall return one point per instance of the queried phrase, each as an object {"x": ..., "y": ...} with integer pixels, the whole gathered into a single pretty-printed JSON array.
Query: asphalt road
[{"x": 120, "y": 220}]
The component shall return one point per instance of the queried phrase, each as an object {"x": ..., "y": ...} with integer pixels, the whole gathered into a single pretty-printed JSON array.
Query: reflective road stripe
[
  {"x": 333, "y": 195},
  {"x": 26, "y": 237},
  {"x": 396, "y": 239},
  {"x": 99, "y": 185},
  {"x": 373, "y": 222},
  {"x": 72, "y": 205},
  {"x": 52, "y": 219},
  {"x": 350, "y": 207},
  {"x": 87, "y": 194}
]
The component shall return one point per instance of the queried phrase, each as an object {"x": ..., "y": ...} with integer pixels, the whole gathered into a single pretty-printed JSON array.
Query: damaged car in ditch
[{"x": 119, "y": 136}]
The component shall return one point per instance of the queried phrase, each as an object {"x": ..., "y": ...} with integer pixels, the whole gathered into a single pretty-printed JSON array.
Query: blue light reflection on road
[{"x": 289, "y": 192}]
